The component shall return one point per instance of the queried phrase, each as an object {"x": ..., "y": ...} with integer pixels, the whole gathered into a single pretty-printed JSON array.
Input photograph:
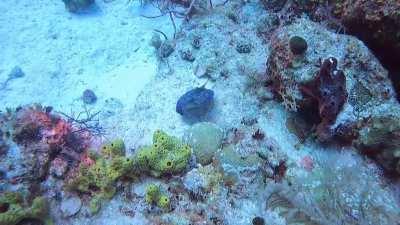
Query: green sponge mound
[
  {"x": 14, "y": 209},
  {"x": 154, "y": 196},
  {"x": 113, "y": 149},
  {"x": 99, "y": 179},
  {"x": 167, "y": 155}
]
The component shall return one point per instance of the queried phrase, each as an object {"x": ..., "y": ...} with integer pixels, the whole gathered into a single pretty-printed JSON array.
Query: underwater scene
[{"x": 200, "y": 112}]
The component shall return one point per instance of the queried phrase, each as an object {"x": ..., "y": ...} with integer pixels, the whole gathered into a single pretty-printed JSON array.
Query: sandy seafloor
[{"x": 107, "y": 50}]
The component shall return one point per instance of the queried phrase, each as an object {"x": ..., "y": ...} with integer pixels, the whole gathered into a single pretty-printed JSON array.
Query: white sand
[{"x": 62, "y": 54}]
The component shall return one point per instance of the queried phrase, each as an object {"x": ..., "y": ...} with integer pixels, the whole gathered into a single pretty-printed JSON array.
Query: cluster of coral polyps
[
  {"x": 46, "y": 141},
  {"x": 349, "y": 96}
]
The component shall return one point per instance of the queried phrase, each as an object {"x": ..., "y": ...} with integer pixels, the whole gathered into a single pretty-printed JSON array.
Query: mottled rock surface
[{"x": 375, "y": 22}]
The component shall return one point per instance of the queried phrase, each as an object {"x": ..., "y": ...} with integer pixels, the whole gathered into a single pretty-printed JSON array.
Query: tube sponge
[
  {"x": 154, "y": 196},
  {"x": 167, "y": 155},
  {"x": 152, "y": 193},
  {"x": 113, "y": 149},
  {"x": 14, "y": 209},
  {"x": 99, "y": 178},
  {"x": 163, "y": 202}
]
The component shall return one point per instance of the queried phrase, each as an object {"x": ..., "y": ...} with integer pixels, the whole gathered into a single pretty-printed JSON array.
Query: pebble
[
  {"x": 196, "y": 42},
  {"x": 199, "y": 70},
  {"x": 89, "y": 97},
  {"x": 258, "y": 221},
  {"x": 166, "y": 49},
  {"x": 71, "y": 206},
  {"x": 187, "y": 55},
  {"x": 156, "y": 41},
  {"x": 243, "y": 48},
  {"x": 16, "y": 72}
]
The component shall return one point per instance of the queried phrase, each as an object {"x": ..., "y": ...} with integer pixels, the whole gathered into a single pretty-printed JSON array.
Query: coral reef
[
  {"x": 233, "y": 164},
  {"x": 113, "y": 149},
  {"x": 3, "y": 144},
  {"x": 166, "y": 49},
  {"x": 70, "y": 206},
  {"x": 290, "y": 76},
  {"x": 14, "y": 209},
  {"x": 375, "y": 22},
  {"x": 43, "y": 136},
  {"x": 380, "y": 140},
  {"x": 201, "y": 181},
  {"x": 250, "y": 168},
  {"x": 346, "y": 105},
  {"x": 167, "y": 155}
]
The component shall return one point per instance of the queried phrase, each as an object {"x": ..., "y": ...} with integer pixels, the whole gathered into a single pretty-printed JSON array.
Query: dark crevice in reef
[
  {"x": 394, "y": 72},
  {"x": 30, "y": 222},
  {"x": 391, "y": 62},
  {"x": 4, "y": 207},
  {"x": 388, "y": 56},
  {"x": 310, "y": 113}
]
